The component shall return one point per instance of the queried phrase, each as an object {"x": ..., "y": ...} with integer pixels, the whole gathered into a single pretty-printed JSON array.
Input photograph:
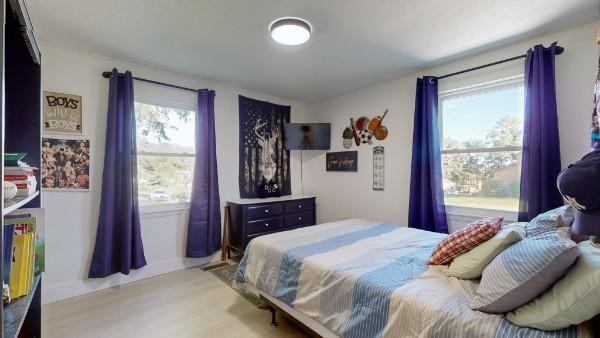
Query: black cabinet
[{"x": 253, "y": 218}]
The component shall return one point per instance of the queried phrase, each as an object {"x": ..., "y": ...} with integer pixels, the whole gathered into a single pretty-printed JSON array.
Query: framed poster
[
  {"x": 342, "y": 161},
  {"x": 65, "y": 164},
  {"x": 378, "y": 168},
  {"x": 62, "y": 113}
]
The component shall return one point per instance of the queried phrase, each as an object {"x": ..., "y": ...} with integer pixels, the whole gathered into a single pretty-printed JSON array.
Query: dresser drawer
[
  {"x": 251, "y": 219},
  {"x": 263, "y": 210},
  {"x": 260, "y": 226},
  {"x": 298, "y": 219},
  {"x": 299, "y": 206}
]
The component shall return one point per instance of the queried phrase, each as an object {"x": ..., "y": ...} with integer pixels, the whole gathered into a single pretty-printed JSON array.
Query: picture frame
[
  {"x": 66, "y": 164},
  {"x": 62, "y": 113},
  {"x": 341, "y": 161}
]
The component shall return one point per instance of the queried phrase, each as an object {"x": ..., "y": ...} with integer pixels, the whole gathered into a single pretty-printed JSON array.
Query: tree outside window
[
  {"x": 165, "y": 144},
  {"x": 482, "y": 130}
]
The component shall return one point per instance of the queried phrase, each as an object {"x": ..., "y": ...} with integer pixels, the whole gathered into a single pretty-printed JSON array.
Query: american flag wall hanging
[{"x": 264, "y": 169}]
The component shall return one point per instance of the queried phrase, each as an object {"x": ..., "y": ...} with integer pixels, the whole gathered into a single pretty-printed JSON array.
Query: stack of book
[
  {"x": 20, "y": 173},
  {"x": 25, "y": 258}
]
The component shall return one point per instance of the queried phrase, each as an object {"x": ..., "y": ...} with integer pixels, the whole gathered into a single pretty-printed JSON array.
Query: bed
[{"x": 358, "y": 279}]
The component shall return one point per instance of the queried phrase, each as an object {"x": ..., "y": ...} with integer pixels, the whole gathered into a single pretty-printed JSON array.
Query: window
[
  {"x": 165, "y": 145},
  {"x": 482, "y": 132}
]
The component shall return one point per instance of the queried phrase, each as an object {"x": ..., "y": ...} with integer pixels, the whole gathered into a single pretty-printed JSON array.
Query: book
[
  {"x": 26, "y": 191},
  {"x": 24, "y": 283},
  {"x": 23, "y": 270},
  {"x": 13, "y": 158},
  {"x": 9, "y": 232},
  {"x": 40, "y": 230},
  {"x": 22, "y": 177},
  {"x": 18, "y": 270},
  {"x": 19, "y": 171},
  {"x": 7, "y": 254}
]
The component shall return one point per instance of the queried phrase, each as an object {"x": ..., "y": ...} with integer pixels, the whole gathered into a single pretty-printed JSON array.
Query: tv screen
[{"x": 307, "y": 136}]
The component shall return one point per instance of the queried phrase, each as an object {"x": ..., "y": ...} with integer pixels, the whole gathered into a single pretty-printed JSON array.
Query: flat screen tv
[{"x": 307, "y": 136}]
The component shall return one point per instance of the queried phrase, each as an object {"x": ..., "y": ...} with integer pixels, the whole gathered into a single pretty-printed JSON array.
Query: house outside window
[{"x": 482, "y": 136}]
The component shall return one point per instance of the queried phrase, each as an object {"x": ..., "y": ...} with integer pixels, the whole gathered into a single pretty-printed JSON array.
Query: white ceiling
[{"x": 356, "y": 43}]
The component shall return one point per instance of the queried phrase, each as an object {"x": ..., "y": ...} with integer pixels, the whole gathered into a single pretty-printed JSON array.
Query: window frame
[
  {"x": 457, "y": 212},
  {"x": 171, "y": 208}
]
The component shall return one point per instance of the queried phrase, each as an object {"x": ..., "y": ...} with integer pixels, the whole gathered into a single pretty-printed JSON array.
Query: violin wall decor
[{"x": 363, "y": 129}]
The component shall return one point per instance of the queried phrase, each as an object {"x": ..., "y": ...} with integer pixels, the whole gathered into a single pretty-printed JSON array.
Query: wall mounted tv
[{"x": 307, "y": 136}]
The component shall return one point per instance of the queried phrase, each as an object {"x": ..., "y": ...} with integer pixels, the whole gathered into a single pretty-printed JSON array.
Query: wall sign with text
[
  {"x": 62, "y": 113},
  {"x": 378, "y": 168},
  {"x": 342, "y": 161}
]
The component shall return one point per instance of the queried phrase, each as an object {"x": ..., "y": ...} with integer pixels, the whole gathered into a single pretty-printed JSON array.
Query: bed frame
[
  {"x": 309, "y": 325},
  {"x": 316, "y": 329}
]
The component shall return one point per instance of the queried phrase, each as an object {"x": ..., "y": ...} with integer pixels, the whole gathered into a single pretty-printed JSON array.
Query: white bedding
[{"x": 364, "y": 279}]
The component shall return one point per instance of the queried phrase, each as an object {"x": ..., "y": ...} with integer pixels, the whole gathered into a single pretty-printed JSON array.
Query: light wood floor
[{"x": 187, "y": 303}]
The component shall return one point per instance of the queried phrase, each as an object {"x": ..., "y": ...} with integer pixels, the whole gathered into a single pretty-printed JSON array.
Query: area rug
[{"x": 226, "y": 274}]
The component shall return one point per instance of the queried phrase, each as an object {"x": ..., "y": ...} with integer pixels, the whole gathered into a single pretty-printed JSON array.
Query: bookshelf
[
  {"x": 15, "y": 313},
  {"x": 20, "y": 131},
  {"x": 18, "y": 202}
]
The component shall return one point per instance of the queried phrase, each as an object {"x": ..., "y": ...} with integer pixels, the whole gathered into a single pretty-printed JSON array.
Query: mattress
[{"x": 366, "y": 279}]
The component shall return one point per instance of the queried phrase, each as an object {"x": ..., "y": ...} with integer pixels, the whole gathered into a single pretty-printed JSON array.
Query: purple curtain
[
  {"x": 204, "y": 226},
  {"x": 426, "y": 207},
  {"x": 118, "y": 238},
  {"x": 541, "y": 146},
  {"x": 596, "y": 110}
]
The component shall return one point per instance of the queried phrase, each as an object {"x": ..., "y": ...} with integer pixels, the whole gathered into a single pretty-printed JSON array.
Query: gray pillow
[
  {"x": 550, "y": 220},
  {"x": 525, "y": 270}
]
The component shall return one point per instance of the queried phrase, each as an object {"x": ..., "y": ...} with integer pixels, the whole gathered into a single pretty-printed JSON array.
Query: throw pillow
[
  {"x": 525, "y": 270},
  {"x": 571, "y": 301},
  {"x": 550, "y": 220},
  {"x": 465, "y": 239},
  {"x": 470, "y": 265}
]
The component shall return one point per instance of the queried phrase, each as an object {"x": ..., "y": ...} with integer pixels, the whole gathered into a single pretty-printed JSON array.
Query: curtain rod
[
  {"x": 559, "y": 50},
  {"x": 108, "y": 75}
]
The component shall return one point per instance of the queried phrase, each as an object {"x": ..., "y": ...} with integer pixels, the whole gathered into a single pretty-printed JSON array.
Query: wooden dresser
[{"x": 250, "y": 218}]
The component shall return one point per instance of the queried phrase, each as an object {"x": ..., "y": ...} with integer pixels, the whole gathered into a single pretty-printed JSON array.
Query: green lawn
[{"x": 499, "y": 203}]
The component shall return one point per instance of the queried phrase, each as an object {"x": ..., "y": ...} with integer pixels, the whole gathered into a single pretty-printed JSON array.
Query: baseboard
[{"x": 54, "y": 293}]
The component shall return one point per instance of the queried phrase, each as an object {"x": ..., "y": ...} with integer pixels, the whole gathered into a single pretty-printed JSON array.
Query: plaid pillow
[{"x": 465, "y": 239}]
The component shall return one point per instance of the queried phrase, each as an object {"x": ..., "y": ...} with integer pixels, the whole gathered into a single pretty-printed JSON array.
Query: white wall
[
  {"x": 71, "y": 217},
  {"x": 343, "y": 195}
]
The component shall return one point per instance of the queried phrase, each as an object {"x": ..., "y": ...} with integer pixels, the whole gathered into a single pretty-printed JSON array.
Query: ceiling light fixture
[{"x": 290, "y": 31}]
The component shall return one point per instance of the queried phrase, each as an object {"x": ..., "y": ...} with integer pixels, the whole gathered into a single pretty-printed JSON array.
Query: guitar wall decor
[{"x": 364, "y": 129}]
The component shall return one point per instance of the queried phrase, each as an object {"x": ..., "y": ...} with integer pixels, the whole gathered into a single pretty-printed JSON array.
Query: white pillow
[
  {"x": 470, "y": 265},
  {"x": 572, "y": 300}
]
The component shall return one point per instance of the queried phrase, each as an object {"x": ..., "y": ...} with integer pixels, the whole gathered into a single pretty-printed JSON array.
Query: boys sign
[{"x": 62, "y": 113}]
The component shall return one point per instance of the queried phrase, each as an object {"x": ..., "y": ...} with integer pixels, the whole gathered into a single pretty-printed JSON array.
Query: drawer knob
[
  {"x": 299, "y": 206},
  {"x": 266, "y": 224},
  {"x": 299, "y": 218},
  {"x": 266, "y": 211}
]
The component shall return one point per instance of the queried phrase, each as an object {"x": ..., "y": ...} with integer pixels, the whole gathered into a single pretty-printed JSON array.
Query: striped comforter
[{"x": 362, "y": 279}]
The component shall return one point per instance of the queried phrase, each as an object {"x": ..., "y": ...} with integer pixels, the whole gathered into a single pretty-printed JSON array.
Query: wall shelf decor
[{"x": 364, "y": 129}]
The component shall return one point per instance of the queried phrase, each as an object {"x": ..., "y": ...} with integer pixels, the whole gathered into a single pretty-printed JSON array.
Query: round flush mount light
[{"x": 290, "y": 31}]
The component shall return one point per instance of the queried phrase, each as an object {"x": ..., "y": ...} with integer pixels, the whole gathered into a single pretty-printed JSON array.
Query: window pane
[
  {"x": 164, "y": 179},
  {"x": 164, "y": 130},
  {"x": 489, "y": 119},
  {"x": 482, "y": 180}
]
